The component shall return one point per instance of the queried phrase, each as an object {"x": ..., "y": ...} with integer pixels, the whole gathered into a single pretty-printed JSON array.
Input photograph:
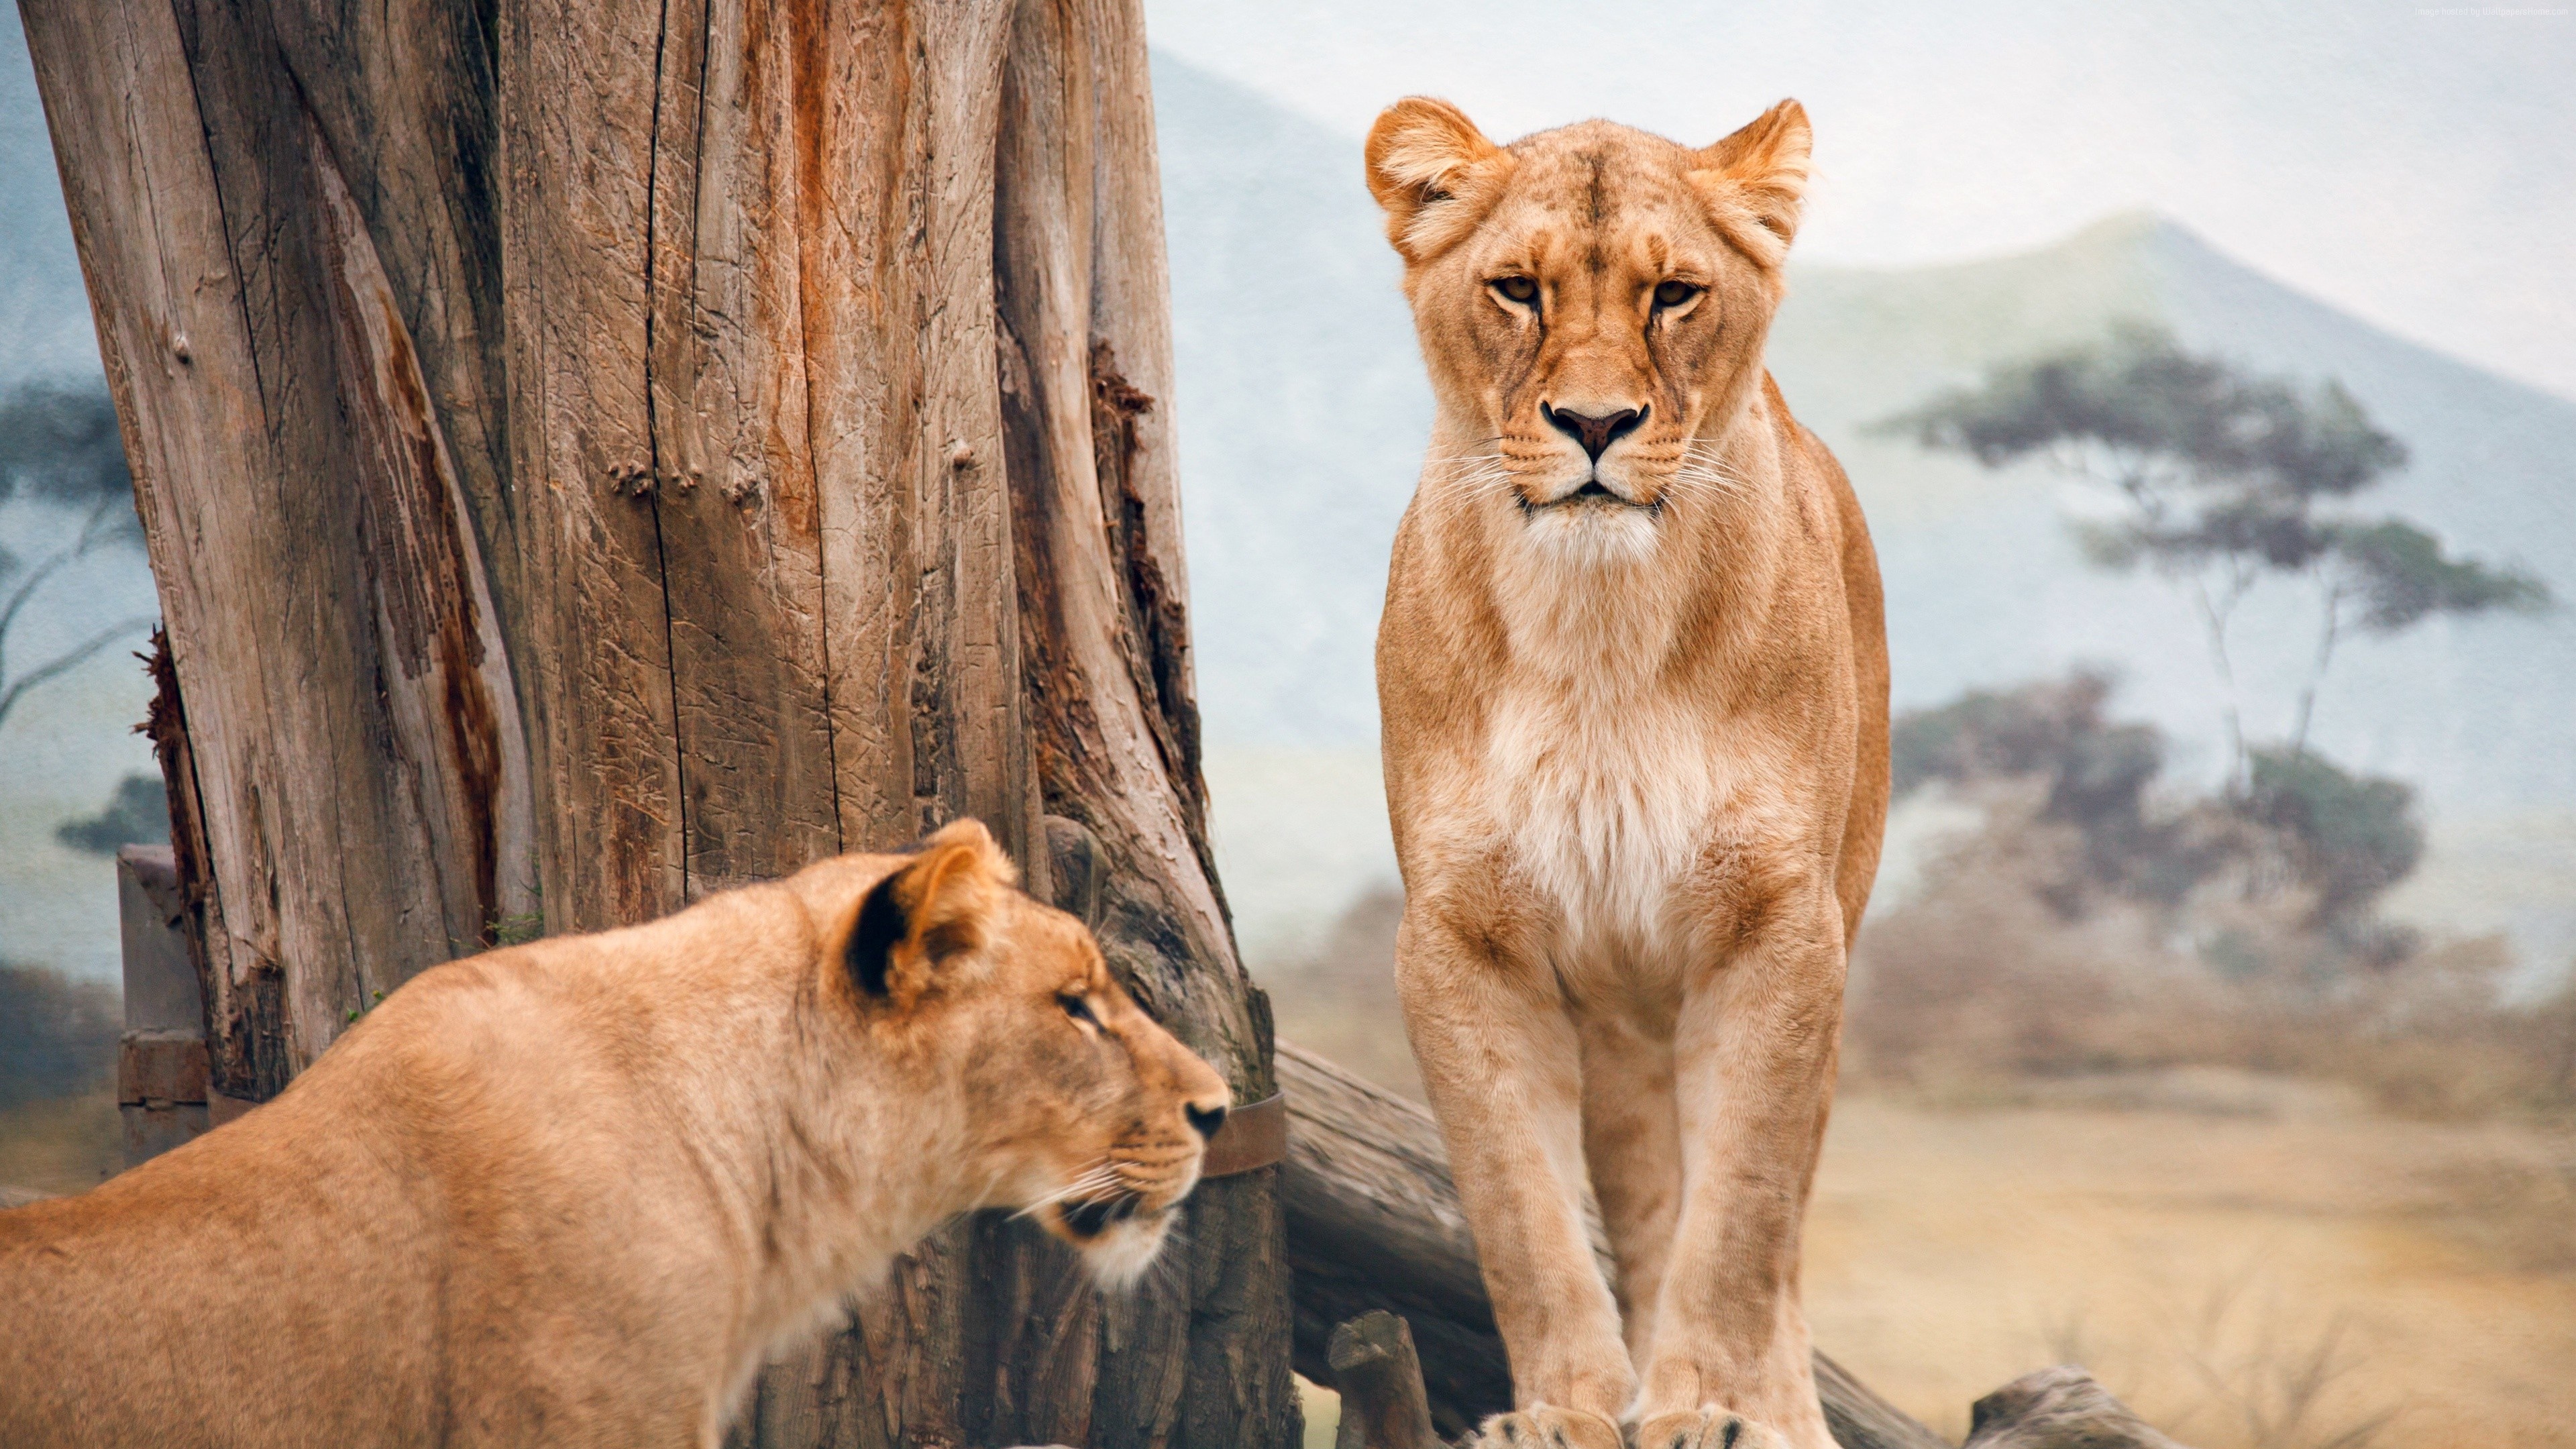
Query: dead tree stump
[
  {"x": 596, "y": 454},
  {"x": 1380, "y": 1380}
]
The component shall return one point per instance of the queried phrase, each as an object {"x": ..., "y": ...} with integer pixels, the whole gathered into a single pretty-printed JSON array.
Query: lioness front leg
[
  {"x": 1500, "y": 1062},
  {"x": 1755, "y": 1050},
  {"x": 1632, "y": 1145}
]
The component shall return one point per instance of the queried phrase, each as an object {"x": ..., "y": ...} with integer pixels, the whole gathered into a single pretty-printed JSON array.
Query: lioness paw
[
  {"x": 1706, "y": 1429},
  {"x": 1543, "y": 1427}
]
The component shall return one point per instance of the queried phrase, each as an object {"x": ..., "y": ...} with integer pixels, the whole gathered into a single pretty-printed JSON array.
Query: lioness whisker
[{"x": 1091, "y": 1180}]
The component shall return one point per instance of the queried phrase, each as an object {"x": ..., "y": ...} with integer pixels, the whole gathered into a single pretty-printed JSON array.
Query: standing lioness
[
  {"x": 1635, "y": 689},
  {"x": 572, "y": 1193}
]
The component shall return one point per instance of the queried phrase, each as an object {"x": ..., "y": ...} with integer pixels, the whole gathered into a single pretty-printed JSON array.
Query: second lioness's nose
[
  {"x": 1205, "y": 1120},
  {"x": 1596, "y": 434}
]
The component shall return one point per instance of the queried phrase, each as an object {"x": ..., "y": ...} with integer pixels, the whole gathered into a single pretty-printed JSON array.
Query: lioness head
[
  {"x": 1078, "y": 1108},
  {"x": 1592, "y": 303}
]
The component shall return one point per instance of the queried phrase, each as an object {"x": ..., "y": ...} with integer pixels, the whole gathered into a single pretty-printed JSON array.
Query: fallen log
[
  {"x": 2053, "y": 1408},
  {"x": 1374, "y": 1223}
]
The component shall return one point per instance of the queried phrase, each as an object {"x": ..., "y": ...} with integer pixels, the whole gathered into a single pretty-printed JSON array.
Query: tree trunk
[{"x": 593, "y": 455}]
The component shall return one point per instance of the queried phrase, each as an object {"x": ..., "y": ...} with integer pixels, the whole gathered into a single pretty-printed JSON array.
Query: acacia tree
[
  {"x": 2300, "y": 820},
  {"x": 593, "y": 455},
  {"x": 59, "y": 446},
  {"x": 2223, "y": 480}
]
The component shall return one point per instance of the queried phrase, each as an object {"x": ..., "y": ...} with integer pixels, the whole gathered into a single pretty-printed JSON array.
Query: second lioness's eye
[
  {"x": 1517, "y": 289},
  {"x": 1673, "y": 294},
  {"x": 1078, "y": 1009}
]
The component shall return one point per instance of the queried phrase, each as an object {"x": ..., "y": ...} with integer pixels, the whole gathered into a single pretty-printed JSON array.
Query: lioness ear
[
  {"x": 1434, "y": 173},
  {"x": 938, "y": 907},
  {"x": 1755, "y": 181}
]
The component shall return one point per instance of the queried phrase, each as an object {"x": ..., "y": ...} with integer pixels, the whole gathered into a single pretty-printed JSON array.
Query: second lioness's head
[
  {"x": 1069, "y": 1102},
  {"x": 1592, "y": 303}
]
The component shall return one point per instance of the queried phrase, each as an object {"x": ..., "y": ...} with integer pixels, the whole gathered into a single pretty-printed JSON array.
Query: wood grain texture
[
  {"x": 2059, "y": 1408},
  {"x": 1113, "y": 721},
  {"x": 1380, "y": 1380},
  {"x": 352, "y": 727},
  {"x": 597, "y": 454}
]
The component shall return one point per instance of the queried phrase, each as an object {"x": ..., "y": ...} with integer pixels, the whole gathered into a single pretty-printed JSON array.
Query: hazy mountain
[
  {"x": 1984, "y": 582},
  {"x": 1303, "y": 415},
  {"x": 1302, "y": 409}
]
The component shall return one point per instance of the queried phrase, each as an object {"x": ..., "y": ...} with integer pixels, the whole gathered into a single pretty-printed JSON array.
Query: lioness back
[{"x": 575, "y": 1192}]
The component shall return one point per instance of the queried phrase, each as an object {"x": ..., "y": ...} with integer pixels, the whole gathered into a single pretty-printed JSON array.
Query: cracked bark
[{"x": 594, "y": 455}]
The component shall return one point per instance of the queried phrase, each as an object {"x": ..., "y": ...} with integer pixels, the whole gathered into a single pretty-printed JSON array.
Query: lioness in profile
[
  {"x": 572, "y": 1193},
  {"x": 1634, "y": 680}
]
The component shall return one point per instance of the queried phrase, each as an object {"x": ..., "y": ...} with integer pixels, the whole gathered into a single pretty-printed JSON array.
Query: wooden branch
[
  {"x": 1374, "y": 1223},
  {"x": 2058, "y": 1408},
  {"x": 1380, "y": 1380}
]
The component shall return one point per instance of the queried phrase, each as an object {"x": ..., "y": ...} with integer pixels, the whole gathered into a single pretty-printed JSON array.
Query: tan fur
[
  {"x": 573, "y": 1193},
  {"x": 1636, "y": 755}
]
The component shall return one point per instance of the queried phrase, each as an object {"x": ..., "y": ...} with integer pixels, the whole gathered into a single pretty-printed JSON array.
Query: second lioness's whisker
[{"x": 1093, "y": 1180}]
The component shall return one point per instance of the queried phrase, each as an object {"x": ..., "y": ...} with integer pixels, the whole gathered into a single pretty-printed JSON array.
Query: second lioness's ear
[
  {"x": 940, "y": 906},
  {"x": 1434, "y": 173},
  {"x": 1754, "y": 182}
]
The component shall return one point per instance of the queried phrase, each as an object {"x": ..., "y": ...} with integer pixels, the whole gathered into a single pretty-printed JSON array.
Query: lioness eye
[
  {"x": 1078, "y": 1009},
  {"x": 1673, "y": 294},
  {"x": 1517, "y": 289}
]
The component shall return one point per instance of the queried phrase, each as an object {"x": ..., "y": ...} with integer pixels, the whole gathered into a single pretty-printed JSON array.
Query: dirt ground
[
  {"x": 2247, "y": 1263},
  {"x": 65, "y": 1146},
  {"x": 2250, "y": 1263}
]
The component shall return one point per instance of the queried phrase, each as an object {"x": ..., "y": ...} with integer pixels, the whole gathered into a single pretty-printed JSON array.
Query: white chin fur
[
  {"x": 1120, "y": 1256},
  {"x": 1591, "y": 533}
]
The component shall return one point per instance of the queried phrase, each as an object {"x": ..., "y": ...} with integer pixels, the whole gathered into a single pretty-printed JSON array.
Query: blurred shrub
[
  {"x": 1341, "y": 1000},
  {"x": 1978, "y": 988},
  {"x": 59, "y": 442},
  {"x": 2351, "y": 836},
  {"x": 2097, "y": 775},
  {"x": 57, "y": 1036},
  {"x": 2301, "y": 823},
  {"x": 137, "y": 814}
]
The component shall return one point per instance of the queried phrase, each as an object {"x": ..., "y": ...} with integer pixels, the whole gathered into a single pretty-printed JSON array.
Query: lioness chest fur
[
  {"x": 1634, "y": 684},
  {"x": 573, "y": 1193}
]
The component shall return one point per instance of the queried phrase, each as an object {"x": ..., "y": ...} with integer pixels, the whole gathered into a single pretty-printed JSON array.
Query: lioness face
[
  {"x": 1081, "y": 1110},
  {"x": 1592, "y": 303}
]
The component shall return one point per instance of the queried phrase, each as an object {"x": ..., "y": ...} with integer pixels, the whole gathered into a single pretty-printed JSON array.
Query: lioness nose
[
  {"x": 1205, "y": 1119},
  {"x": 1595, "y": 434}
]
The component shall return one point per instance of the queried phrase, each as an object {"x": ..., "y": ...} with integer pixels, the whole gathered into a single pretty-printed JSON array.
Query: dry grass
[
  {"x": 64, "y": 1145},
  {"x": 59, "y": 1130},
  {"x": 1978, "y": 990},
  {"x": 2270, "y": 1207},
  {"x": 1342, "y": 1002},
  {"x": 2313, "y": 1278}
]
